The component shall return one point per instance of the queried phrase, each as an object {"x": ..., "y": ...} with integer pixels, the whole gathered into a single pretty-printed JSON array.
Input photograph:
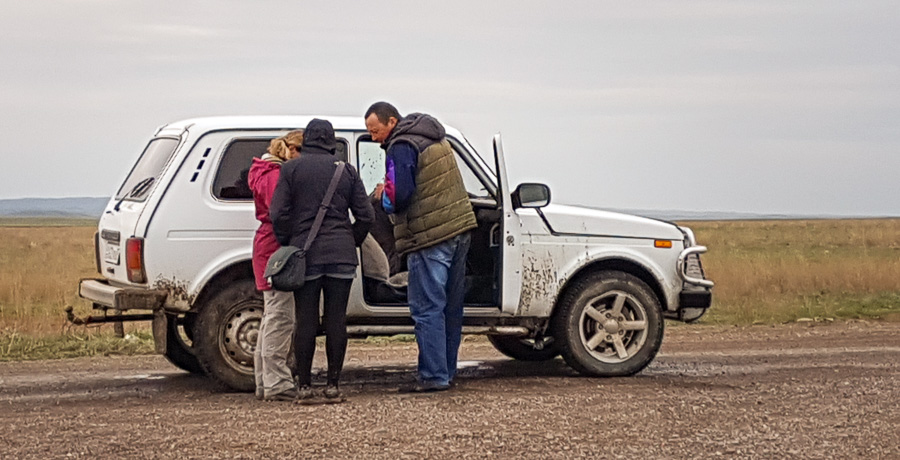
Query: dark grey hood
[
  {"x": 418, "y": 129},
  {"x": 319, "y": 135}
]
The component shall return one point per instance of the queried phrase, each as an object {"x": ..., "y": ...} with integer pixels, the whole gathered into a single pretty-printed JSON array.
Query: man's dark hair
[{"x": 383, "y": 111}]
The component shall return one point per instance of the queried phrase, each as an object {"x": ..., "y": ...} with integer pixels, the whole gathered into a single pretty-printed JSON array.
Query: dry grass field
[
  {"x": 41, "y": 261},
  {"x": 765, "y": 272},
  {"x": 777, "y": 271},
  {"x": 40, "y": 266}
]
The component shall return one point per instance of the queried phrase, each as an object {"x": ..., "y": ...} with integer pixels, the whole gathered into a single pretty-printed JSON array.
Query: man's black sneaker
[{"x": 423, "y": 387}]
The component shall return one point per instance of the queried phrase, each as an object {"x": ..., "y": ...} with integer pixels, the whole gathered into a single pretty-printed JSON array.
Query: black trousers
[{"x": 336, "y": 292}]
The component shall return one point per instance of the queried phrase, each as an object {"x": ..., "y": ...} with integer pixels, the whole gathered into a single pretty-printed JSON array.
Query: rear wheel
[
  {"x": 609, "y": 324},
  {"x": 179, "y": 349},
  {"x": 524, "y": 349},
  {"x": 226, "y": 332}
]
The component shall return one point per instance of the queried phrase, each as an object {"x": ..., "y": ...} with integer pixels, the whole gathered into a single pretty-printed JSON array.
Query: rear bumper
[{"x": 100, "y": 292}]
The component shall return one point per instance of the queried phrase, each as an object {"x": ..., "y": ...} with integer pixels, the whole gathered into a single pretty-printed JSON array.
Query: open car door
[{"x": 511, "y": 231}]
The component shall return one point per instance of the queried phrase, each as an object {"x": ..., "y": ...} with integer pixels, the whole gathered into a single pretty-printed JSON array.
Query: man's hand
[{"x": 379, "y": 190}]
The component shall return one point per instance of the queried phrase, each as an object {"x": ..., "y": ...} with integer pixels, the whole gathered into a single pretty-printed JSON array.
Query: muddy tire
[
  {"x": 226, "y": 331},
  {"x": 523, "y": 349},
  {"x": 179, "y": 350},
  {"x": 609, "y": 324}
]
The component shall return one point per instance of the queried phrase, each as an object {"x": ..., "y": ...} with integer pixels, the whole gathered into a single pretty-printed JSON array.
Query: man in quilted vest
[{"x": 424, "y": 190}]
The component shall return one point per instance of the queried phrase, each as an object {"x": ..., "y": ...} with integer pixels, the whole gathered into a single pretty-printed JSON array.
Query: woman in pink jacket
[{"x": 273, "y": 377}]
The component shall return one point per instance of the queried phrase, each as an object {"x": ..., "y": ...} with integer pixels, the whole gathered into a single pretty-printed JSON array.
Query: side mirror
[{"x": 530, "y": 195}]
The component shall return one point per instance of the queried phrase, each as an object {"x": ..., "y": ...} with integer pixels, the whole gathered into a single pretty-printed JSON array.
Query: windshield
[{"x": 147, "y": 169}]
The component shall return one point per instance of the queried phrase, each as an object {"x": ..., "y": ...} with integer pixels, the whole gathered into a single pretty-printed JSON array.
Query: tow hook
[{"x": 70, "y": 317}]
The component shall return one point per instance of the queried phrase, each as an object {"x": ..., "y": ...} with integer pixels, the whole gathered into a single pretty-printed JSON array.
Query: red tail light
[{"x": 134, "y": 260}]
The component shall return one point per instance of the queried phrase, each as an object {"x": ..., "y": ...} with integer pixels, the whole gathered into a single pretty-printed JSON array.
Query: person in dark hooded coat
[{"x": 332, "y": 259}]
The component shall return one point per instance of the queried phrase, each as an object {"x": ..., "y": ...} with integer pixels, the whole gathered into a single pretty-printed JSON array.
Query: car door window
[
  {"x": 370, "y": 162},
  {"x": 474, "y": 186}
]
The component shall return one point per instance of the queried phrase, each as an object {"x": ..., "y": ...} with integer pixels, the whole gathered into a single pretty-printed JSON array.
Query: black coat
[{"x": 298, "y": 195}]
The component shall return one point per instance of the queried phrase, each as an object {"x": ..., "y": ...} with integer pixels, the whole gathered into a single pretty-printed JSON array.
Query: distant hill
[{"x": 81, "y": 207}]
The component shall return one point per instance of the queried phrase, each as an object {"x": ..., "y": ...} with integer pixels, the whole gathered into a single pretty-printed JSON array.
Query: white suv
[{"x": 542, "y": 279}]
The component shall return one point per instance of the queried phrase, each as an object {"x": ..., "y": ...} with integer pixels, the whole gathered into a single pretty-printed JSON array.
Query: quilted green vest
[{"x": 440, "y": 208}]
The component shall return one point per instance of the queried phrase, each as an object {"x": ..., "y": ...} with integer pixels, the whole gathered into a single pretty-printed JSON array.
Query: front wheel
[
  {"x": 609, "y": 324},
  {"x": 524, "y": 349},
  {"x": 226, "y": 332}
]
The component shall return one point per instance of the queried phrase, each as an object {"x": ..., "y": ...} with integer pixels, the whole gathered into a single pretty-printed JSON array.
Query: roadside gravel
[{"x": 795, "y": 391}]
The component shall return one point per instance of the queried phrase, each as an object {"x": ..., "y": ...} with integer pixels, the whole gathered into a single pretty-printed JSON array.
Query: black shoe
[
  {"x": 306, "y": 395},
  {"x": 333, "y": 394},
  {"x": 423, "y": 387}
]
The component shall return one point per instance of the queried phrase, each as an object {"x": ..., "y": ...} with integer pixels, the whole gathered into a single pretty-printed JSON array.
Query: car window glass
[
  {"x": 231, "y": 178},
  {"x": 474, "y": 187},
  {"x": 370, "y": 162},
  {"x": 150, "y": 165},
  {"x": 340, "y": 152}
]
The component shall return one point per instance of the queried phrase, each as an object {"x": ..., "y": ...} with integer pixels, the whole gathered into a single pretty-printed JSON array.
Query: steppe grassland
[
  {"x": 776, "y": 271},
  {"x": 40, "y": 266},
  {"x": 765, "y": 271},
  {"x": 41, "y": 261}
]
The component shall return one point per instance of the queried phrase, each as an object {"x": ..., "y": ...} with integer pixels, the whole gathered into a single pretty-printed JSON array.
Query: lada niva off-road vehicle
[{"x": 174, "y": 246}]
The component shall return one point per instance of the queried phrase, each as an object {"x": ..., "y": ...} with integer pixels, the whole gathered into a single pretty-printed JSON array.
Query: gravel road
[{"x": 795, "y": 391}]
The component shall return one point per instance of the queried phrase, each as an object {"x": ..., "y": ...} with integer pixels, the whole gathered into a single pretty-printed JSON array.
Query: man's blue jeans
[{"x": 437, "y": 286}]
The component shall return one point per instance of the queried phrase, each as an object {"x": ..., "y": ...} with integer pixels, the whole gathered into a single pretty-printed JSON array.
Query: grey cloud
[{"x": 764, "y": 106}]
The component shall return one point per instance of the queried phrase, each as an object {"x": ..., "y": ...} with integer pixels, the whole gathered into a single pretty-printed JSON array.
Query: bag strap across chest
[{"x": 326, "y": 202}]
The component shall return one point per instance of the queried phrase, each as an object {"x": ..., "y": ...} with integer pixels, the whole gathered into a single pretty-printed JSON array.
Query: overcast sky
[{"x": 754, "y": 106}]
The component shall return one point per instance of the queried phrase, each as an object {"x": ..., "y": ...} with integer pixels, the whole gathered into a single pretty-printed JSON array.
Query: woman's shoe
[
  {"x": 287, "y": 395},
  {"x": 305, "y": 395},
  {"x": 333, "y": 394}
]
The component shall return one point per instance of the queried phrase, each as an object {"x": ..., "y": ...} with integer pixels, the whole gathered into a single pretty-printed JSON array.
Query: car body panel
[{"x": 190, "y": 236}]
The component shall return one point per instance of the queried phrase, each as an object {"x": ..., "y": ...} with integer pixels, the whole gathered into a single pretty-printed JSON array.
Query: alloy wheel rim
[{"x": 613, "y": 326}]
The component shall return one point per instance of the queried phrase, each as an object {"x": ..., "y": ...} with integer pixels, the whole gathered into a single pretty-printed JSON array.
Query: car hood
[{"x": 578, "y": 220}]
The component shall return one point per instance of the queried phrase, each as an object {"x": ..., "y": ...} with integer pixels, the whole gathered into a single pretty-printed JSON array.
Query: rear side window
[
  {"x": 231, "y": 179},
  {"x": 230, "y": 183},
  {"x": 147, "y": 169}
]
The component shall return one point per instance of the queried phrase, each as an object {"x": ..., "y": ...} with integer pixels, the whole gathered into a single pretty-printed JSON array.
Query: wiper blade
[{"x": 137, "y": 190}]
